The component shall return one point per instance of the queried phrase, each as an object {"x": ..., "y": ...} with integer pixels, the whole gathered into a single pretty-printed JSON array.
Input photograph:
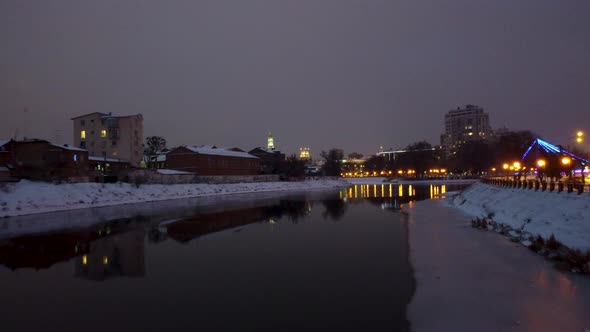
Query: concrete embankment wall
[{"x": 152, "y": 177}]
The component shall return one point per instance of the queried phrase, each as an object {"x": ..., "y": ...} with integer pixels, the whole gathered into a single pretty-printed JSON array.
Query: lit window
[
  {"x": 75, "y": 157},
  {"x": 84, "y": 259},
  {"x": 103, "y": 133},
  {"x": 83, "y": 134}
]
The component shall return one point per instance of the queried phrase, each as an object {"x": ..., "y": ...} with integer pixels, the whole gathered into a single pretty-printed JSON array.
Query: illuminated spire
[{"x": 270, "y": 142}]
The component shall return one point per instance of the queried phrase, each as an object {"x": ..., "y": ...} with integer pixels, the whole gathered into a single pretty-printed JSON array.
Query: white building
[
  {"x": 463, "y": 125},
  {"x": 110, "y": 136}
]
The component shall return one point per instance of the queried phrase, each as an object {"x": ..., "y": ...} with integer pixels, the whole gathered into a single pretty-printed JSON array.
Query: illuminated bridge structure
[{"x": 542, "y": 149}]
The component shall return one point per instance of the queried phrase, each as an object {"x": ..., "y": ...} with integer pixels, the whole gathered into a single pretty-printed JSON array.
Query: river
[{"x": 319, "y": 260}]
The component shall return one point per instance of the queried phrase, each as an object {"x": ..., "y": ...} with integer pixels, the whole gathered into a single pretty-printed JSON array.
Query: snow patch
[{"x": 540, "y": 213}]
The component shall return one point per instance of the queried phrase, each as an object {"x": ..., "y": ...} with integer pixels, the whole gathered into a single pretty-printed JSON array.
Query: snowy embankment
[
  {"x": 539, "y": 213},
  {"x": 27, "y": 197}
]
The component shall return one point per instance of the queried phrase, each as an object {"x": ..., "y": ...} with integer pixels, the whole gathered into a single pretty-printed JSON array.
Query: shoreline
[
  {"x": 32, "y": 198},
  {"x": 382, "y": 180},
  {"x": 468, "y": 280}
]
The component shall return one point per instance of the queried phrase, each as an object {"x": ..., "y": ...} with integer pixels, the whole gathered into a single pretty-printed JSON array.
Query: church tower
[{"x": 270, "y": 145}]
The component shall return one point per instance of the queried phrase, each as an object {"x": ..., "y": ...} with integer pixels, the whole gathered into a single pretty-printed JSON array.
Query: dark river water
[{"x": 321, "y": 260}]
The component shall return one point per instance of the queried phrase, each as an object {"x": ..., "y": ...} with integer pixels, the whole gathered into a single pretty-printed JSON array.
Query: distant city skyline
[{"x": 335, "y": 73}]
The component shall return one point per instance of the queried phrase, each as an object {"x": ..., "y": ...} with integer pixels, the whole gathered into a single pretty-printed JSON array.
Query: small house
[{"x": 41, "y": 160}]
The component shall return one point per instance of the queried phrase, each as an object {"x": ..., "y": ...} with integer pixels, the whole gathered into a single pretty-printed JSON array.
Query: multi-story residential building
[
  {"x": 463, "y": 125},
  {"x": 110, "y": 136}
]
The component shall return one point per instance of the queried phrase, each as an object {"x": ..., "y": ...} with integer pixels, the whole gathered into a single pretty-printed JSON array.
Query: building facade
[
  {"x": 110, "y": 136},
  {"x": 271, "y": 161},
  {"x": 210, "y": 160},
  {"x": 5, "y": 152},
  {"x": 305, "y": 154},
  {"x": 41, "y": 160},
  {"x": 466, "y": 124}
]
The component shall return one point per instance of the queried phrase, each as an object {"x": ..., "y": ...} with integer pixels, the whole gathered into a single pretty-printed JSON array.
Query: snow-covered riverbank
[
  {"x": 470, "y": 280},
  {"x": 27, "y": 197},
  {"x": 539, "y": 213}
]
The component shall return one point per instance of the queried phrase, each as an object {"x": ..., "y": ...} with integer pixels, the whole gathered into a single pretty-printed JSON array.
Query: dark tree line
[{"x": 471, "y": 157}]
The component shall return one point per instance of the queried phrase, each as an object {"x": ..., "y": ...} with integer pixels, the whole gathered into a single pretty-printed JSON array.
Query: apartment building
[
  {"x": 465, "y": 124},
  {"x": 110, "y": 136}
]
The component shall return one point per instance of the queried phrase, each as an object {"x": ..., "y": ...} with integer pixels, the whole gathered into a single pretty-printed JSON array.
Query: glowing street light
[
  {"x": 516, "y": 165},
  {"x": 566, "y": 161},
  {"x": 505, "y": 166},
  {"x": 580, "y": 136},
  {"x": 541, "y": 163}
]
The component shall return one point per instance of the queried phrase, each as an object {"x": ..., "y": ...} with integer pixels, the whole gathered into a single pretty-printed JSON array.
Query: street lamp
[
  {"x": 566, "y": 161},
  {"x": 541, "y": 163},
  {"x": 516, "y": 165},
  {"x": 580, "y": 136}
]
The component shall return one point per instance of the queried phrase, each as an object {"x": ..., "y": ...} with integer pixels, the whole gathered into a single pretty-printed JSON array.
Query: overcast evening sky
[{"x": 352, "y": 74}]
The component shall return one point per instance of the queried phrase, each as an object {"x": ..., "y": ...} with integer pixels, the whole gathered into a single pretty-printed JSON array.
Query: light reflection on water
[{"x": 332, "y": 260}]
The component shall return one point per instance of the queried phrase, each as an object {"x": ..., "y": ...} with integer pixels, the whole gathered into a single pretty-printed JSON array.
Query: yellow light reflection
[
  {"x": 443, "y": 189},
  {"x": 400, "y": 191},
  {"x": 84, "y": 259},
  {"x": 374, "y": 190},
  {"x": 105, "y": 260},
  {"x": 390, "y": 190}
]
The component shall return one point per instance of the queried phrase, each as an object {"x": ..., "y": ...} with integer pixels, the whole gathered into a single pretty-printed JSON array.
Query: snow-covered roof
[
  {"x": 214, "y": 151},
  {"x": 2, "y": 142},
  {"x": 111, "y": 160},
  {"x": 172, "y": 172},
  {"x": 68, "y": 147}
]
